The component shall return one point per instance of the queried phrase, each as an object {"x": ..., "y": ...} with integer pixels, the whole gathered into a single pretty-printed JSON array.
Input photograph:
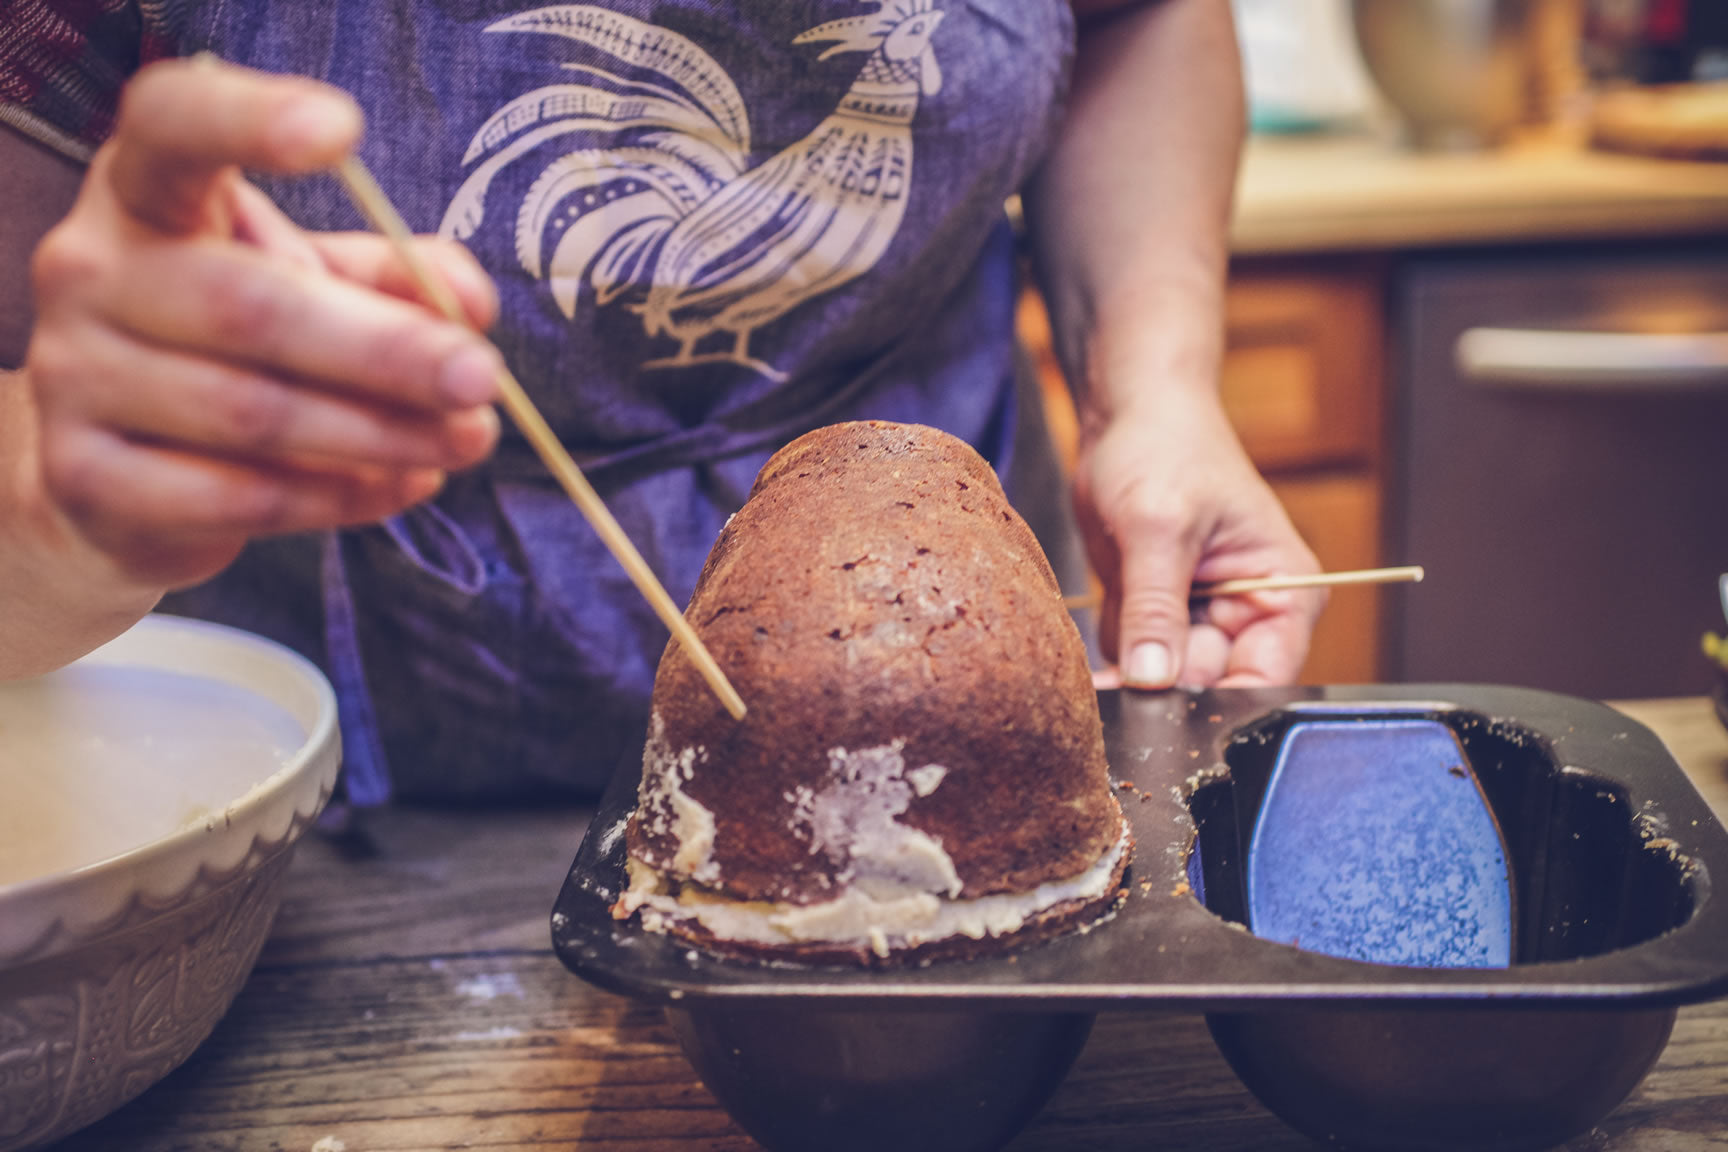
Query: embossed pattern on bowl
[{"x": 113, "y": 969}]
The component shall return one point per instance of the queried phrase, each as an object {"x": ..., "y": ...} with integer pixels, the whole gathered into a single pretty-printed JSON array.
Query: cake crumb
[
  {"x": 329, "y": 1144},
  {"x": 878, "y": 942},
  {"x": 1182, "y": 889},
  {"x": 927, "y": 779}
]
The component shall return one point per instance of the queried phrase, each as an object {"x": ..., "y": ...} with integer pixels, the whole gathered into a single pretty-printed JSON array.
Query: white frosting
[
  {"x": 693, "y": 825},
  {"x": 858, "y": 919},
  {"x": 852, "y": 821},
  {"x": 669, "y": 811},
  {"x": 897, "y": 885},
  {"x": 102, "y": 758},
  {"x": 927, "y": 779}
]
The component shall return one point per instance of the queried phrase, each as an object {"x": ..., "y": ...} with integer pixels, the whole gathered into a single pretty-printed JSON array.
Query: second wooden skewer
[
  {"x": 1407, "y": 574},
  {"x": 372, "y": 202}
]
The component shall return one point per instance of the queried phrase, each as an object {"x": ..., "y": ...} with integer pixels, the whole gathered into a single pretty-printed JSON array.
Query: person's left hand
[{"x": 1166, "y": 496}]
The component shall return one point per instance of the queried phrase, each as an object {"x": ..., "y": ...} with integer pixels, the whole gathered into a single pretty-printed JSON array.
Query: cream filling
[
  {"x": 882, "y": 920},
  {"x": 853, "y": 819},
  {"x": 693, "y": 826},
  {"x": 927, "y": 779},
  {"x": 897, "y": 887},
  {"x": 669, "y": 811}
]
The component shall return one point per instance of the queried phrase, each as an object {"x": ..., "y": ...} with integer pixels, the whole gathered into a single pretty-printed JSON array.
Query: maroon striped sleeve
[{"x": 62, "y": 65}]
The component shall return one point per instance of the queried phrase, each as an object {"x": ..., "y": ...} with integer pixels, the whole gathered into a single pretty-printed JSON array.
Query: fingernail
[
  {"x": 421, "y": 485},
  {"x": 463, "y": 268},
  {"x": 1148, "y": 666},
  {"x": 471, "y": 434},
  {"x": 469, "y": 376},
  {"x": 311, "y": 129}
]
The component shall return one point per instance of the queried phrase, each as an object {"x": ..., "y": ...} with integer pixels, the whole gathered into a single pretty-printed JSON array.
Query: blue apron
[{"x": 714, "y": 225}]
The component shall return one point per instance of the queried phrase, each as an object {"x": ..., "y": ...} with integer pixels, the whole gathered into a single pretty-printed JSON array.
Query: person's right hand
[{"x": 205, "y": 372}]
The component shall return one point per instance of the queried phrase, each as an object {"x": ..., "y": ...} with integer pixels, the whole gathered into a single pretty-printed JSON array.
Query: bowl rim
[{"x": 305, "y": 779}]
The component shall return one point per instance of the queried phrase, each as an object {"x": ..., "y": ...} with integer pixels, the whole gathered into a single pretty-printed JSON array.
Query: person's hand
[
  {"x": 205, "y": 372},
  {"x": 1166, "y": 496}
]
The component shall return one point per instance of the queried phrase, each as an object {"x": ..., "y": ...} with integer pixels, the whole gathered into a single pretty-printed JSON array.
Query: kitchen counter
[
  {"x": 409, "y": 999},
  {"x": 1356, "y": 192}
]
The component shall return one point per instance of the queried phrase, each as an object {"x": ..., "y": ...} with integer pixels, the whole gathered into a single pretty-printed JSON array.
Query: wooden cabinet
[
  {"x": 1303, "y": 385},
  {"x": 1302, "y": 363}
]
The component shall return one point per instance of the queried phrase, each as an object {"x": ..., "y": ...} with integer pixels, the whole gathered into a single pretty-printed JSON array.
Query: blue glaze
[{"x": 1374, "y": 842}]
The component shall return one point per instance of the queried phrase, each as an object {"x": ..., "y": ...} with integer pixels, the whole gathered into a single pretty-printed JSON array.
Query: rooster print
[{"x": 654, "y": 204}]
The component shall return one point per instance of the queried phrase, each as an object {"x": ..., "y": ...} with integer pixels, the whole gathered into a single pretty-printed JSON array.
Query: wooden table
[{"x": 409, "y": 999}]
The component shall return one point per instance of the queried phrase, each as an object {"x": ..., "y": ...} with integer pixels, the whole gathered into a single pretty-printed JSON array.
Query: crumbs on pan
[
  {"x": 329, "y": 1144},
  {"x": 1200, "y": 778},
  {"x": 1104, "y": 917}
]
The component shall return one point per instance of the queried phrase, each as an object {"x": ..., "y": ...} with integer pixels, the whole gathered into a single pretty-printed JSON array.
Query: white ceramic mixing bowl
[{"x": 150, "y": 798}]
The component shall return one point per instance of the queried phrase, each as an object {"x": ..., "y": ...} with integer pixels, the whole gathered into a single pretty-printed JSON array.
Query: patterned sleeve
[{"x": 63, "y": 62}]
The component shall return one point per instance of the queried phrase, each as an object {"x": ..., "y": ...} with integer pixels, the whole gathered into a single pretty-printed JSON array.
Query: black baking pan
[{"x": 1557, "y": 830}]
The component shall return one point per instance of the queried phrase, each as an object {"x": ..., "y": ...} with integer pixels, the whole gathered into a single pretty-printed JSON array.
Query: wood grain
[
  {"x": 1301, "y": 378},
  {"x": 1338, "y": 515},
  {"x": 409, "y": 1000}
]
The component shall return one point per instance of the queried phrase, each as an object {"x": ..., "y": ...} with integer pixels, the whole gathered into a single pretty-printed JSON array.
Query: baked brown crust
[{"x": 877, "y": 590}]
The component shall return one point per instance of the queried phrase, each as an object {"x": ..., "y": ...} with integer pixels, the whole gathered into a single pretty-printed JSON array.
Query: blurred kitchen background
[{"x": 1478, "y": 321}]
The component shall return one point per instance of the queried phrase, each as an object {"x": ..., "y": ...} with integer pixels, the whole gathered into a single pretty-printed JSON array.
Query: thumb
[
  {"x": 1153, "y": 624},
  {"x": 1155, "y": 615},
  {"x": 184, "y": 123}
]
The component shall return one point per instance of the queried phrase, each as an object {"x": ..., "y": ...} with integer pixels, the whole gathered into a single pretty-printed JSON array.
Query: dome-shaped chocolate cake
[{"x": 921, "y": 771}]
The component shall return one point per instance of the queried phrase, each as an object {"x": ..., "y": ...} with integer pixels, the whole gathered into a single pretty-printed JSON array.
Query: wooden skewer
[
  {"x": 375, "y": 205},
  {"x": 1409, "y": 573}
]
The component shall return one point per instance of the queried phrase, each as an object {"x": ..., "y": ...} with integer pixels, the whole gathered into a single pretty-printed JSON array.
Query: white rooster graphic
[{"x": 667, "y": 217}]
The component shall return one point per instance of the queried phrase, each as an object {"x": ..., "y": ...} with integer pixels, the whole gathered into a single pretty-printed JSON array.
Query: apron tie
[{"x": 365, "y": 771}]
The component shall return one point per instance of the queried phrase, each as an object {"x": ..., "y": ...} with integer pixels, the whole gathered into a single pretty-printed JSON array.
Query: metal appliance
[{"x": 1561, "y": 468}]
